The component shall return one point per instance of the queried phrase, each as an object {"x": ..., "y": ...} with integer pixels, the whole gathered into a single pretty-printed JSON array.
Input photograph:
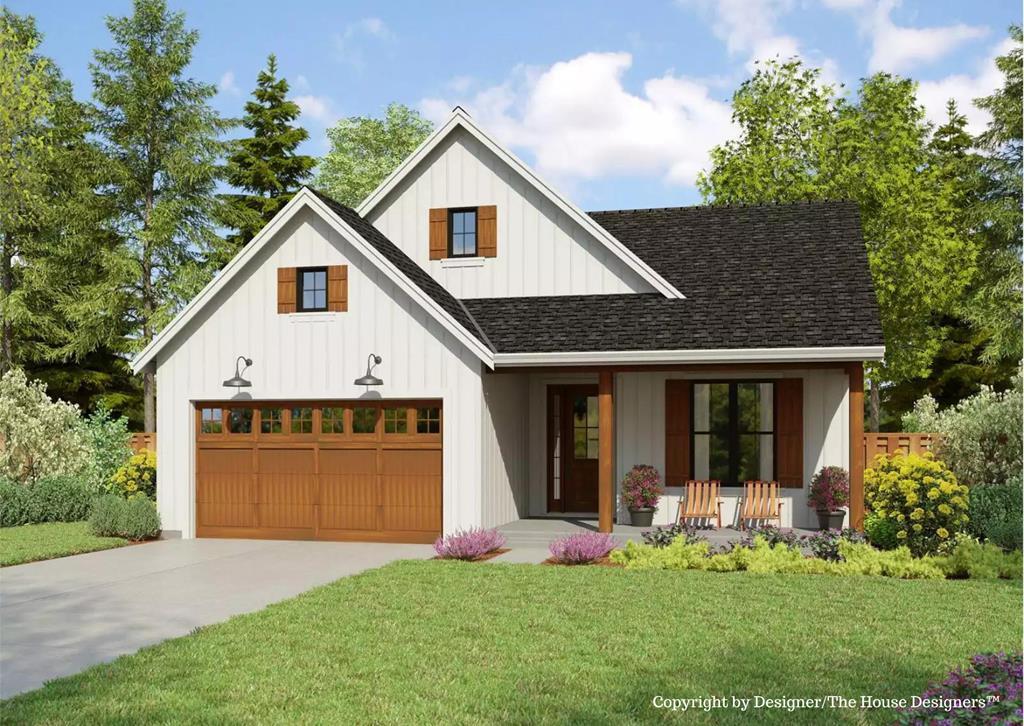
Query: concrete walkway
[{"x": 60, "y": 616}]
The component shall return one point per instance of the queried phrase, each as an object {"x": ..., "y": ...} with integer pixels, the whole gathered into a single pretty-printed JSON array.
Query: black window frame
[
  {"x": 476, "y": 231},
  {"x": 300, "y": 274},
  {"x": 733, "y": 431}
]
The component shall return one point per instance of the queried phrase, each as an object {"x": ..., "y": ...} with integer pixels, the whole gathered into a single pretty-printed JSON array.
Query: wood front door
[{"x": 573, "y": 448}]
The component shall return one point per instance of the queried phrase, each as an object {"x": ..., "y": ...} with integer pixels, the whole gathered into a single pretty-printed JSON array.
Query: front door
[{"x": 573, "y": 432}]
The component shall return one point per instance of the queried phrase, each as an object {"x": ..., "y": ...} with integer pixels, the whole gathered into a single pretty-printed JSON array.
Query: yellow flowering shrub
[
  {"x": 920, "y": 496},
  {"x": 137, "y": 477}
]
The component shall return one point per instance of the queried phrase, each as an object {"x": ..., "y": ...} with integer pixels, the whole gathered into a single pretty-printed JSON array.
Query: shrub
[
  {"x": 40, "y": 437},
  {"x": 981, "y": 435},
  {"x": 771, "y": 534},
  {"x": 986, "y": 691},
  {"x": 53, "y": 499},
  {"x": 663, "y": 536},
  {"x": 109, "y": 443},
  {"x": 136, "y": 476},
  {"x": 135, "y": 518},
  {"x": 469, "y": 544},
  {"x": 970, "y": 558},
  {"x": 830, "y": 489},
  {"x": 881, "y": 531},
  {"x": 825, "y": 545},
  {"x": 996, "y": 514},
  {"x": 579, "y": 549},
  {"x": 641, "y": 487},
  {"x": 920, "y": 495},
  {"x": 863, "y": 559}
]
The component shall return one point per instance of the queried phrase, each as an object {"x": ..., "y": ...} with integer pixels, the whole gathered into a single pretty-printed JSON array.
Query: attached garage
[{"x": 330, "y": 470}]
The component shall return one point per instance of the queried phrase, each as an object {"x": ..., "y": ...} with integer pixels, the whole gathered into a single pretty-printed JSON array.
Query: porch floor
[{"x": 528, "y": 539}]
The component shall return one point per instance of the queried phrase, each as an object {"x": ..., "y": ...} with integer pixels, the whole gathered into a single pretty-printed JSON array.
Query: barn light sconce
[
  {"x": 369, "y": 379},
  {"x": 237, "y": 381}
]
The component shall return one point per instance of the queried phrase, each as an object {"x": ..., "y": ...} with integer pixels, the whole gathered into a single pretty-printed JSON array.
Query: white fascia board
[
  {"x": 460, "y": 118},
  {"x": 651, "y": 357},
  {"x": 305, "y": 198}
]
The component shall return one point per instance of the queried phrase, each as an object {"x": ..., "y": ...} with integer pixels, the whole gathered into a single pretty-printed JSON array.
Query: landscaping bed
[
  {"x": 34, "y": 542},
  {"x": 452, "y": 642}
]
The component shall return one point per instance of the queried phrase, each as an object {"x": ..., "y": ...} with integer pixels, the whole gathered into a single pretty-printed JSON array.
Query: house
[{"x": 530, "y": 355}]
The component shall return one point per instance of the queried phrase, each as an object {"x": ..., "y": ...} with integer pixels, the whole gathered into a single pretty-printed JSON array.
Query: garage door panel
[
  {"x": 349, "y": 493},
  {"x": 412, "y": 490},
  {"x": 287, "y": 487},
  {"x": 224, "y": 488}
]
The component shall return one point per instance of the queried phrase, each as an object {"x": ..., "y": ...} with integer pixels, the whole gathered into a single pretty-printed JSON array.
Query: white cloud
[
  {"x": 318, "y": 108},
  {"x": 301, "y": 83},
  {"x": 898, "y": 48},
  {"x": 226, "y": 84},
  {"x": 348, "y": 44},
  {"x": 964, "y": 88},
  {"x": 750, "y": 27},
  {"x": 580, "y": 122}
]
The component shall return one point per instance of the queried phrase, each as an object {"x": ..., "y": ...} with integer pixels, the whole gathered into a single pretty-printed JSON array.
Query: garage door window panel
[
  {"x": 239, "y": 420},
  {"x": 301, "y": 421},
  {"x": 271, "y": 421},
  {"x": 364, "y": 420},
  {"x": 332, "y": 421},
  {"x": 211, "y": 421}
]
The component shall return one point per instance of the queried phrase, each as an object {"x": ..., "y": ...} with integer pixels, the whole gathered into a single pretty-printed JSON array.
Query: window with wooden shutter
[
  {"x": 789, "y": 432},
  {"x": 677, "y": 432},
  {"x": 287, "y": 294},
  {"x": 438, "y": 234},
  {"x": 337, "y": 288},
  {"x": 487, "y": 221}
]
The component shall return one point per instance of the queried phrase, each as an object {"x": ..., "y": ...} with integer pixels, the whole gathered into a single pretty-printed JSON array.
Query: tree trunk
[
  {"x": 875, "y": 414},
  {"x": 7, "y": 286},
  {"x": 149, "y": 399}
]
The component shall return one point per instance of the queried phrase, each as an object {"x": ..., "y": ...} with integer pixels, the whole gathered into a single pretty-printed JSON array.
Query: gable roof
[
  {"x": 791, "y": 281},
  {"x": 459, "y": 119},
  {"x": 377, "y": 248}
]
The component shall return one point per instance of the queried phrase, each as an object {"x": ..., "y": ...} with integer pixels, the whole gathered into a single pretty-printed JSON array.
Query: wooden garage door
[{"x": 336, "y": 470}]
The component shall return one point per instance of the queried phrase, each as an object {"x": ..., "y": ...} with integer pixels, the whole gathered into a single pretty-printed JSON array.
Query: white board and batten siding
[
  {"x": 316, "y": 356},
  {"x": 541, "y": 251}
]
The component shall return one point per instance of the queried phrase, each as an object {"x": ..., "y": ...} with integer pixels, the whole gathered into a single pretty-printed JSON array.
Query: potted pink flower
[
  {"x": 641, "y": 490},
  {"x": 830, "y": 492}
]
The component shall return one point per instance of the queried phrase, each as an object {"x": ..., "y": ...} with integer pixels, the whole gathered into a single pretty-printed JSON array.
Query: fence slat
[
  {"x": 142, "y": 441},
  {"x": 890, "y": 444}
]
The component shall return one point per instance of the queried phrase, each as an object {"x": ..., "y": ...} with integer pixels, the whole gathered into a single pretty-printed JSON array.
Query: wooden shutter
[
  {"x": 438, "y": 234},
  {"x": 677, "y": 432},
  {"x": 337, "y": 288},
  {"x": 287, "y": 295},
  {"x": 789, "y": 432},
  {"x": 487, "y": 231}
]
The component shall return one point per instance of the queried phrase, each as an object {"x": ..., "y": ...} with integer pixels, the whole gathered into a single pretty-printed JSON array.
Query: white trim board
[
  {"x": 460, "y": 119},
  {"x": 724, "y": 355},
  {"x": 303, "y": 199}
]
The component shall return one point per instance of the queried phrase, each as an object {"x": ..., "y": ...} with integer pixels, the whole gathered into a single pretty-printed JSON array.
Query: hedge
[{"x": 52, "y": 499}]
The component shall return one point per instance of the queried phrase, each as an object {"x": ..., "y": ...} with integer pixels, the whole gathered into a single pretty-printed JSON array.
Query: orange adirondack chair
[
  {"x": 701, "y": 502},
  {"x": 760, "y": 502}
]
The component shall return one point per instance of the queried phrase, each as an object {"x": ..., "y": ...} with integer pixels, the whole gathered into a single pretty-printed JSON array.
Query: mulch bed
[
  {"x": 603, "y": 562},
  {"x": 481, "y": 558}
]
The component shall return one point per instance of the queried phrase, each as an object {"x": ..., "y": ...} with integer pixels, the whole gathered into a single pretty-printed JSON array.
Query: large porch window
[{"x": 733, "y": 431}]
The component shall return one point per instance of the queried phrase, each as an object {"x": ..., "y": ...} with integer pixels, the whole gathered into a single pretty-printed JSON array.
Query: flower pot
[
  {"x": 641, "y": 516},
  {"x": 830, "y": 520}
]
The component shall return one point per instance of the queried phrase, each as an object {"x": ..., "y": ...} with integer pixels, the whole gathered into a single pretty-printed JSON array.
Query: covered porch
[{"x": 550, "y": 467}]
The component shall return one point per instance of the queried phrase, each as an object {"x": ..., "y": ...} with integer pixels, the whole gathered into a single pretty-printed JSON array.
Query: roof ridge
[{"x": 728, "y": 205}]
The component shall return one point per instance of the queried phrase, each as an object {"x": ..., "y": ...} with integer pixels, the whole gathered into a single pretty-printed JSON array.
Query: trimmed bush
[
  {"x": 986, "y": 691},
  {"x": 996, "y": 515},
  {"x": 136, "y": 476},
  {"x": 135, "y": 518},
  {"x": 972, "y": 559},
  {"x": 580, "y": 549},
  {"x": 881, "y": 532},
  {"x": 825, "y": 545},
  {"x": 920, "y": 495},
  {"x": 469, "y": 544},
  {"x": 53, "y": 499}
]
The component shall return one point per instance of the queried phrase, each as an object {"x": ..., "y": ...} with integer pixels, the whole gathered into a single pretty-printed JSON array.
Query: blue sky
[{"x": 616, "y": 103}]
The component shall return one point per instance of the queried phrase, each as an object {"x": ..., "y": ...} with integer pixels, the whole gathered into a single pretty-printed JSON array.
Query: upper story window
[
  {"x": 462, "y": 232},
  {"x": 312, "y": 289}
]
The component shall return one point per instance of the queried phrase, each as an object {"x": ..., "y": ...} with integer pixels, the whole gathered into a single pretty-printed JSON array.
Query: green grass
[
  {"x": 450, "y": 642},
  {"x": 33, "y": 542}
]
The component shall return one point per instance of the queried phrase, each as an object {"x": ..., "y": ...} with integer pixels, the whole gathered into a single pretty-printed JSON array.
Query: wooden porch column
[
  {"x": 856, "y": 374},
  {"x": 606, "y": 473}
]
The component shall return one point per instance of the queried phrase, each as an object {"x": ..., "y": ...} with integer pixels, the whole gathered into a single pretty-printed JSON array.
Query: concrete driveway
[{"x": 60, "y": 616}]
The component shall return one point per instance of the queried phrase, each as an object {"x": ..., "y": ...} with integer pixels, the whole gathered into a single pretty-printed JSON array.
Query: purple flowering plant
[
  {"x": 830, "y": 489},
  {"x": 987, "y": 691},
  {"x": 825, "y": 545},
  {"x": 641, "y": 487},
  {"x": 468, "y": 544},
  {"x": 579, "y": 549}
]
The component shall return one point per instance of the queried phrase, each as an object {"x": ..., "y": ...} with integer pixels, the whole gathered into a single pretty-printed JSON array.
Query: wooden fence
[
  {"x": 891, "y": 444},
  {"x": 143, "y": 441}
]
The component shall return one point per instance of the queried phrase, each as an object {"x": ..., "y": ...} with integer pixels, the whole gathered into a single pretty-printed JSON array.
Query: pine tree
[
  {"x": 161, "y": 140},
  {"x": 265, "y": 165}
]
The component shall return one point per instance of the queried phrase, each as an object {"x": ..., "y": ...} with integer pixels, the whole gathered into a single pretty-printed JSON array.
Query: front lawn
[
  {"x": 32, "y": 542},
  {"x": 452, "y": 642}
]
